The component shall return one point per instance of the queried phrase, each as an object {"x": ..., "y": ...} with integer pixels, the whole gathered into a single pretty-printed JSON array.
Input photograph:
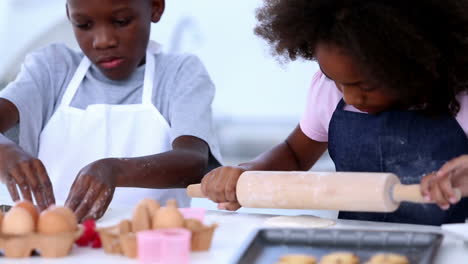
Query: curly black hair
[{"x": 415, "y": 49}]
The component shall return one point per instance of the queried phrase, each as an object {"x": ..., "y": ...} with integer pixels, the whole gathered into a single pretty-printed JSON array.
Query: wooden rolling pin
[{"x": 344, "y": 191}]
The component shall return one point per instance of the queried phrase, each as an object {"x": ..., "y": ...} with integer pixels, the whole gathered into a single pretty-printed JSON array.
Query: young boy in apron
[
  {"x": 390, "y": 96},
  {"x": 118, "y": 122}
]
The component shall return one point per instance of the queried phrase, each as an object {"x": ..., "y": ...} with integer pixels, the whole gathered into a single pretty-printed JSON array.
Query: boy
[{"x": 119, "y": 114}]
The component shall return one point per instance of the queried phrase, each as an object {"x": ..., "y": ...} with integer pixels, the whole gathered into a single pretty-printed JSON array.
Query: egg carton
[
  {"x": 121, "y": 240},
  {"x": 48, "y": 246}
]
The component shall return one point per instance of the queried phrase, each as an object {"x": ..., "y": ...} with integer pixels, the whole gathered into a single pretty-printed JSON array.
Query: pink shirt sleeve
[{"x": 322, "y": 99}]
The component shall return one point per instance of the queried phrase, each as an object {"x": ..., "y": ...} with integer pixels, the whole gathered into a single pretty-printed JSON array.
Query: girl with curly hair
[{"x": 390, "y": 96}]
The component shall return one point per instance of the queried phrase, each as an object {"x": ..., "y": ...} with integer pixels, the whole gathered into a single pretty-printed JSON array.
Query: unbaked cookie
[
  {"x": 297, "y": 259},
  {"x": 388, "y": 259},
  {"x": 340, "y": 258}
]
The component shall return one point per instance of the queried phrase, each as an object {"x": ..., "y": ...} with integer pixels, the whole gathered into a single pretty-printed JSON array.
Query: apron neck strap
[
  {"x": 75, "y": 81},
  {"x": 148, "y": 82}
]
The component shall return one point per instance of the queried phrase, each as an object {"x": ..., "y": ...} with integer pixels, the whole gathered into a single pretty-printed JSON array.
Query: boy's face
[{"x": 114, "y": 34}]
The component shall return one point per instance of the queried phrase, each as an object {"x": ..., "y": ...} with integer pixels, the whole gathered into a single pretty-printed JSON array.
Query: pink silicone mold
[{"x": 164, "y": 246}]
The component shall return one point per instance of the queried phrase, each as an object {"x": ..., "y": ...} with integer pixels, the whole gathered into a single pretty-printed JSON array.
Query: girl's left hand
[
  {"x": 440, "y": 186},
  {"x": 93, "y": 189}
]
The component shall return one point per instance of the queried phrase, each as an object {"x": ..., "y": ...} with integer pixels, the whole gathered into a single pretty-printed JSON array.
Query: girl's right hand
[
  {"x": 219, "y": 185},
  {"x": 19, "y": 169}
]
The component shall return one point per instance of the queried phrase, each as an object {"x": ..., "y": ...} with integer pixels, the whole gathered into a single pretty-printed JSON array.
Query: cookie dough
[
  {"x": 301, "y": 221},
  {"x": 388, "y": 259},
  {"x": 340, "y": 258},
  {"x": 297, "y": 259}
]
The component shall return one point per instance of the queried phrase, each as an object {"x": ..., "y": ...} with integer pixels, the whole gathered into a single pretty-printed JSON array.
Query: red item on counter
[
  {"x": 89, "y": 236},
  {"x": 90, "y": 224}
]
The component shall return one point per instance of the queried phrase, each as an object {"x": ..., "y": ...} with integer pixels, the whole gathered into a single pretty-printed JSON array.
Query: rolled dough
[{"x": 300, "y": 221}]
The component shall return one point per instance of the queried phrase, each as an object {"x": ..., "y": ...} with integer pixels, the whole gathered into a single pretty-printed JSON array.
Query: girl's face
[
  {"x": 114, "y": 34},
  {"x": 357, "y": 90}
]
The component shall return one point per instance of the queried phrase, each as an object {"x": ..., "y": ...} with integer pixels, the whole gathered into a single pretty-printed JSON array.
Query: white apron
[{"x": 74, "y": 137}]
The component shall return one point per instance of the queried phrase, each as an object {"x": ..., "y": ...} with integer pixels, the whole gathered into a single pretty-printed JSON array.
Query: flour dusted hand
[
  {"x": 439, "y": 187},
  {"x": 93, "y": 189},
  {"x": 19, "y": 170}
]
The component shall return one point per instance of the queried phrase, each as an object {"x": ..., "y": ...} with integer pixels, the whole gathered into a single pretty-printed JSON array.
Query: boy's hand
[
  {"x": 219, "y": 185},
  {"x": 19, "y": 169},
  {"x": 93, "y": 189},
  {"x": 439, "y": 186}
]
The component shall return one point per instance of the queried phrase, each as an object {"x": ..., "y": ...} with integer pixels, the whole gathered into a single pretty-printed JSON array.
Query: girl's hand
[
  {"x": 439, "y": 186},
  {"x": 219, "y": 185},
  {"x": 93, "y": 189},
  {"x": 19, "y": 169}
]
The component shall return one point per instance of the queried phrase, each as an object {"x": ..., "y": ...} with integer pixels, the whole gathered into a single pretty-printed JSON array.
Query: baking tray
[
  {"x": 4, "y": 208},
  {"x": 267, "y": 245}
]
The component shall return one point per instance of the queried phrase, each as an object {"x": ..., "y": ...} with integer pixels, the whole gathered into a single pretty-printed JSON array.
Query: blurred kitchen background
[{"x": 258, "y": 100}]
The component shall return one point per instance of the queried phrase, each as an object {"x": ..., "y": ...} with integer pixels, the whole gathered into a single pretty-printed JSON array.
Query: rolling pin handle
[
  {"x": 407, "y": 193},
  {"x": 194, "y": 191},
  {"x": 458, "y": 194},
  {"x": 412, "y": 193}
]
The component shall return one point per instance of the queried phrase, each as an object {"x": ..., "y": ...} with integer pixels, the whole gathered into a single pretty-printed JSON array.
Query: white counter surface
[{"x": 233, "y": 231}]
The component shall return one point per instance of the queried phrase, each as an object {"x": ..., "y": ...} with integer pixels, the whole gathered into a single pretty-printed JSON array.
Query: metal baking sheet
[
  {"x": 5, "y": 208},
  {"x": 266, "y": 246}
]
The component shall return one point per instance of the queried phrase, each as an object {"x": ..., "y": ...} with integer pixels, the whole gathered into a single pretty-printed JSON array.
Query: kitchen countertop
[{"x": 233, "y": 231}]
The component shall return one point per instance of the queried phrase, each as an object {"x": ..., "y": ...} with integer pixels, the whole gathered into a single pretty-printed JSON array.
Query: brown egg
[
  {"x": 152, "y": 205},
  {"x": 53, "y": 221},
  {"x": 1, "y": 219},
  {"x": 30, "y": 207},
  {"x": 141, "y": 219},
  {"x": 168, "y": 217},
  {"x": 67, "y": 212},
  {"x": 18, "y": 221}
]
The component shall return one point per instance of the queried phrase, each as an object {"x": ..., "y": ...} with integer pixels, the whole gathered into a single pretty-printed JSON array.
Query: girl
[
  {"x": 390, "y": 95},
  {"x": 118, "y": 114}
]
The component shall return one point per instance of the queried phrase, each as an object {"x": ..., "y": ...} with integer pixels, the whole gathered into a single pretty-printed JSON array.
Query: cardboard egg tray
[
  {"x": 48, "y": 246},
  {"x": 120, "y": 239}
]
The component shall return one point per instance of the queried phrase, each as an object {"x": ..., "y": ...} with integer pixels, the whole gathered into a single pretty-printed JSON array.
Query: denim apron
[{"x": 406, "y": 143}]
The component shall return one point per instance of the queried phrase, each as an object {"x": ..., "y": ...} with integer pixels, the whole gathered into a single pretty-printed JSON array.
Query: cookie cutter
[{"x": 164, "y": 246}]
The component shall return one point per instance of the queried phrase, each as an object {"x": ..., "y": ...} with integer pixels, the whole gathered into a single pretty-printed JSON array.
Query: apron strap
[
  {"x": 75, "y": 81},
  {"x": 148, "y": 83}
]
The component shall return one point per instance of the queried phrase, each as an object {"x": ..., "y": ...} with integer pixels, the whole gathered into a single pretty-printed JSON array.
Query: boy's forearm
[{"x": 172, "y": 169}]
